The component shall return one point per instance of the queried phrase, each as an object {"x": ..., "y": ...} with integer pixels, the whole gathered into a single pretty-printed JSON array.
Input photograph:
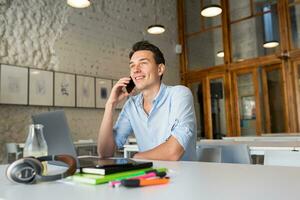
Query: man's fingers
[{"x": 124, "y": 80}]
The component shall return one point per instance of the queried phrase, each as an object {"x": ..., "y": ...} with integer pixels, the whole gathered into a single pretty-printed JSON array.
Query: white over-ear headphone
[{"x": 29, "y": 169}]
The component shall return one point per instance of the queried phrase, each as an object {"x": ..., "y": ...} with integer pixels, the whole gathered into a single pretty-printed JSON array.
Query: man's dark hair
[{"x": 145, "y": 45}]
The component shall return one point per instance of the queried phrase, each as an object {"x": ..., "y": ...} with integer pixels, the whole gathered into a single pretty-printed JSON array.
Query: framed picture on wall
[
  {"x": 14, "y": 85},
  {"x": 64, "y": 89},
  {"x": 121, "y": 104},
  {"x": 85, "y": 91},
  {"x": 40, "y": 87},
  {"x": 103, "y": 89}
]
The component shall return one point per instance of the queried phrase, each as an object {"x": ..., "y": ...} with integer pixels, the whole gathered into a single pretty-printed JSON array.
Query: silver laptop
[{"x": 56, "y": 133}]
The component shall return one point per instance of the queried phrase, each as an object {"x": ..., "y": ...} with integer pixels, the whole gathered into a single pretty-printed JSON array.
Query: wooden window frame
[{"x": 288, "y": 58}]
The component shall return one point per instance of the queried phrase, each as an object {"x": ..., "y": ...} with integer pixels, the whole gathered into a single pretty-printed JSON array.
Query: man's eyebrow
[{"x": 141, "y": 59}]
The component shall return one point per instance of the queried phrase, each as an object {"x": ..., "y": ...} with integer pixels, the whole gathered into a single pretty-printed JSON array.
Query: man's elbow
[
  {"x": 175, "y": 155},
  {"x": 102, "y": 153}
]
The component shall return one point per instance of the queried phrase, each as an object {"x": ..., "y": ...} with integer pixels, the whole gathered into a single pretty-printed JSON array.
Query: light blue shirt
[{"x": 172, "y": 114}]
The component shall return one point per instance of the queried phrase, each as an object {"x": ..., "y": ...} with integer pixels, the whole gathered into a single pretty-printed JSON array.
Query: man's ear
[{"x": 161, "y": 69}]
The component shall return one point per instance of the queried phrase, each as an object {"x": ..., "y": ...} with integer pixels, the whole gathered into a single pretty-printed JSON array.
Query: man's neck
[{"x": 150, "y": 94}]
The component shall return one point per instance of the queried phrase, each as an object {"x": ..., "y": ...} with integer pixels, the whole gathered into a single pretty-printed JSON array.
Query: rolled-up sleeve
[
  {"x": 183, "y": 124},
  {"x": 122, "y": 129}
]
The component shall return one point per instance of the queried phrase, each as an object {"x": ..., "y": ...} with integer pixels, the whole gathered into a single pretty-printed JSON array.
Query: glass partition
[
  {"x": 298, "y": 79},
  {"x": 276, "y": 101},
  {"x": 298, "y": 91},
  {"x": 239, "y": 9},
  {"x": 192, "y": 16},
  {"x": 246, "y": 101},
  {"x": 257, "y": 34},
  {"x": 248, "y": 39},
  {"x": 218, "y": 108},
  {"x": 199, "y": 108},
  {"x": 203, "y": 49},
  {"x": 294, "y": 10}
]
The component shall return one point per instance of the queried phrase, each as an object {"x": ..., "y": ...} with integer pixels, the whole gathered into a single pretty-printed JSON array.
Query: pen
[
  {"x": 144, "y": 182},
  {"x": 148, "y": 175},
  {"x": 117, "y": 183}
]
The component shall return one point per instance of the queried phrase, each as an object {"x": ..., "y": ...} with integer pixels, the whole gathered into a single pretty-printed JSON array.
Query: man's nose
[{"x": 136, "y": 69}]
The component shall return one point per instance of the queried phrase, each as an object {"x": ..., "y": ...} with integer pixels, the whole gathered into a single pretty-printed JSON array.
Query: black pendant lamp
[
  {"x": 156, "y": 28},
  {"x": 210, "y": 10},
  {"x": 270, "y": 25},
  {"x": 220, "y": 54}
]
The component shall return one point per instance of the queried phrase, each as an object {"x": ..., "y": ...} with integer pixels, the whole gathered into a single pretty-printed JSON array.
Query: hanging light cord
[{"x": 155, "y": 16}]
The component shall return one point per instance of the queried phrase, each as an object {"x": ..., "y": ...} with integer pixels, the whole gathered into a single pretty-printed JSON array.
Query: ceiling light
[
  {"x": 79, "y": 3},
  {"x": 220, "y": 54},
  {"x": 156, "y": 29},
  {"x": 270, "y": 44},
  {"x": 211, "y": 11},
  {"x": 270, "y": 27}
]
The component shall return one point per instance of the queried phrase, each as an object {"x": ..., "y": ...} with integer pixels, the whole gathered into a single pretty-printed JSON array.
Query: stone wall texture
[{"x": 93, "y": 41}]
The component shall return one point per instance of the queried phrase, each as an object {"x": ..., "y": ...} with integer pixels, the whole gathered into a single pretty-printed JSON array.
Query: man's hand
[{"x": 117, "y": 94}]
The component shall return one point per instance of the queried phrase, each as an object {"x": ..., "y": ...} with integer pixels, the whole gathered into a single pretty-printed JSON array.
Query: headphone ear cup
[{"x": 25, "y": 170}]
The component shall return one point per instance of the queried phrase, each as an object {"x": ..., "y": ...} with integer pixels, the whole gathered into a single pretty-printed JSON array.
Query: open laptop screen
[{"x": 56, "y": 133}]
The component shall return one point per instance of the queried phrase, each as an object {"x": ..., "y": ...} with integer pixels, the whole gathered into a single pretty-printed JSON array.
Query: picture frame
[
  {"x": 64, "y": 89},
  {"x": 103, "y": 89},
  {"x": 248, "y": 107},
  {"x": 14, "y": 85},
  {"x": 121, "y": 104},
  {"x": 85, "y": 91},
  {"x": 40, "y": 87}
]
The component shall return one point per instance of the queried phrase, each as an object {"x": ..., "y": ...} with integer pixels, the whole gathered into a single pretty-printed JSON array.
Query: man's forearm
[
  {"x": 170, "y": 150},
  {"x": 106, "y": 143}
]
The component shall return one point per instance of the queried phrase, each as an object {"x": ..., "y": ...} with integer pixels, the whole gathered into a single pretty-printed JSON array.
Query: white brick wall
[{"x": 93, "y": 41}]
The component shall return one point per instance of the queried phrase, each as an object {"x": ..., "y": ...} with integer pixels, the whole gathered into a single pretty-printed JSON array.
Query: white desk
[
  {"x": 255, "y": 147},
  {"x": 189, "y": 180},
  {"x": 130, "y": 148}
]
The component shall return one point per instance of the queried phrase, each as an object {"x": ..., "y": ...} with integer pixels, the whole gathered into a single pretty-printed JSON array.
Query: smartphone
[{"x": 130, "y": 86}]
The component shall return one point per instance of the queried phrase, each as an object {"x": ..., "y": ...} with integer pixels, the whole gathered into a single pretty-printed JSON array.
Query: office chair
[
  {"x": 236, "y": 153},
  {"x": 282, "y": 158},
  {"x": 208, "y": 153}
]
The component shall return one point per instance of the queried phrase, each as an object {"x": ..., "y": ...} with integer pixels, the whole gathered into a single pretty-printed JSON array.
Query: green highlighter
[{"x": 95, "y": 179}]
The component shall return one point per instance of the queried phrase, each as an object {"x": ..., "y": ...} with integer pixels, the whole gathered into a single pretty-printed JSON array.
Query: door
[
  {"x": 216, "y": 105},
  {"x": 247, "y": 102},
  {"x": 274, "y": 109}
]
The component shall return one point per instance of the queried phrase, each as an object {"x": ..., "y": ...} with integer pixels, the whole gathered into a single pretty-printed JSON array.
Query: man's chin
[{"x": 139, "y": 88}]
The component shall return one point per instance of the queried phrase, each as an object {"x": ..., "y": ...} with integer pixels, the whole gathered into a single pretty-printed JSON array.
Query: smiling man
[{"x": 161, "y": 117}]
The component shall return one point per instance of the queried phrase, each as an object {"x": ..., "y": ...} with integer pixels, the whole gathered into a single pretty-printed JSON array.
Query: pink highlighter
[{"x": 148, "y": 175}]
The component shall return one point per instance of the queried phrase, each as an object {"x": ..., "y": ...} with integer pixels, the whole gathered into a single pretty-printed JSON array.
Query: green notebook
[{"x": 100, "y": 179}]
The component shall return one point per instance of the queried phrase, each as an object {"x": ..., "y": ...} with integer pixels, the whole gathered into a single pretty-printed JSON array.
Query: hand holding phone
[{"x": 130, "y": 86}]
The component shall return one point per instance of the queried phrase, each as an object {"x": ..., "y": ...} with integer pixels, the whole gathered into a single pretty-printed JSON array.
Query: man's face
[{"x": 144, "y": 70}]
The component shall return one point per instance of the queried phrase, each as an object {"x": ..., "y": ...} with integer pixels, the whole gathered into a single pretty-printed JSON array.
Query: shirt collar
[
  {"x": 159, "y": 95},
  {"x": 156, "y": 99}
]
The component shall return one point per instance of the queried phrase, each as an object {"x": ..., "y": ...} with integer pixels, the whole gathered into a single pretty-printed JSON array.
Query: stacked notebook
[
  {"x": 97, "y": 171},
  {"x": 110, "y": 166}
]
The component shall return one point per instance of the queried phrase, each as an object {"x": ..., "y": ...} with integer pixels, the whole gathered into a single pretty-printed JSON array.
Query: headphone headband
[{"x": 29, "y": 169}]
